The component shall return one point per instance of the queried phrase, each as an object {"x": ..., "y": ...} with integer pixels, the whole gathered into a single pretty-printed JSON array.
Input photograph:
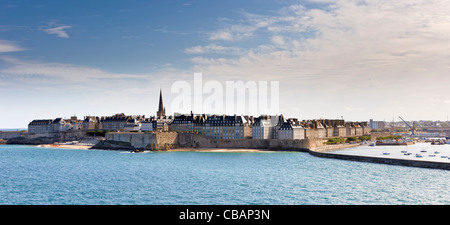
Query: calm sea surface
[{"x": 31, "y": 175}]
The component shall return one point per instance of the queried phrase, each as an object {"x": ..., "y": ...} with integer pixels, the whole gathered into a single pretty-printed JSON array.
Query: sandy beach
[
  {"x": 64, "y": 146},
  {"x": 215, "y": 150},
  {"x": 171, "y": 150}
]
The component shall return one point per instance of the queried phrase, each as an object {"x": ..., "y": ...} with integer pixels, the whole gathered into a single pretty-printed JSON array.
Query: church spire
[{"x": 161, "y": 109}]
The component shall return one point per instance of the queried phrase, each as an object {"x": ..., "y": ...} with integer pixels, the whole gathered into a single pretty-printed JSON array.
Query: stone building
[
  {"x": 183, "y": 123},
  {"x": 40, "y": 126},
  {"x": 223, "y": 126},
  {"x": 266, "y": 127},
  {"x": 132, "y": 127},
  {"x": 291, "y": 129},
  {"x": 350, "y": 129},
  {"x": 358, "y": 129},
  {"x": 162, "y": 123},
  {"x": 91, "y": 123},
  {"x": 199, "y": 123},
  {"x": 366, "y": 128},
  {"x": 314, "y": 129},
  {"x": 147, "y": 124},
  {"x": 120, "y": 121},
  {"x": 74, "y": 123},
  {"x": 339, "y": 128},
  {"x": 55, "y": 125}
]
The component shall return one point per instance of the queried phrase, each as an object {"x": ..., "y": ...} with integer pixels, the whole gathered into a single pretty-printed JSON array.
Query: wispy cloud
[
  {"x": 8, "y": 46},
  {"x": 348, "y": 38},
  {"x": 233, "y": 33},
  {"x": 129, "y": 36},
  {"x": 165, "y": 29},
  {"x": 68, "y": 72},
  {"x": 212, "y": 48},
  {"x": 58, "y": 31},
  {"x": 376, "y": 48}
]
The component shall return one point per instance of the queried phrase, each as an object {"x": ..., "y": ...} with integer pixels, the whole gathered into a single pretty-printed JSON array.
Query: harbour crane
[{"x": 413, "y": 127}]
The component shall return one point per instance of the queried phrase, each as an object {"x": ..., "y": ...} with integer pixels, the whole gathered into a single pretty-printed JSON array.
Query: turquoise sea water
[{"x": 31, "y": 175}]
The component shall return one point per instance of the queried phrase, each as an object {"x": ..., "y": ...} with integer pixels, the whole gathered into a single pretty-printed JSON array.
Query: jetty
[
  {"x": 383, "y": 160},
  {"x": 380, "y": 143}
]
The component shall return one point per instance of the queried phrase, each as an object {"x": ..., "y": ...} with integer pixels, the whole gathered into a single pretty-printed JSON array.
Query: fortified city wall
[
  {"x": 42, "y": 138},
  {"x": 171, "y": 140},
  {"x": 11, "y": 134}
]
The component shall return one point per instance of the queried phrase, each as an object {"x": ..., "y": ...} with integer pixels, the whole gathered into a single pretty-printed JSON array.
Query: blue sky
[
  {"x": 120, "y": 36},
  {"x": 359, "y": 59}
]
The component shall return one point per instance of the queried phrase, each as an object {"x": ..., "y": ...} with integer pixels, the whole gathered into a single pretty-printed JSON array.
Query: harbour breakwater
[{"x": 381, "y": 160}]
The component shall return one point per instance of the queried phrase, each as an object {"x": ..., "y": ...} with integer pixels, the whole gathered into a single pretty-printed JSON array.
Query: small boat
[
  {"x": 386, "y": 153},
  {"x": 408, "y": 153},
  {"x": 404, "y": 151},
  {"x": 443, "y": 156},
  {"x": 432, "y": 155},
  {"x": 436, "y": 152},
  {"x": 372, "y": 144},
  {"x": 423, "y": 150},
  {"x": 418, "y": 155}
]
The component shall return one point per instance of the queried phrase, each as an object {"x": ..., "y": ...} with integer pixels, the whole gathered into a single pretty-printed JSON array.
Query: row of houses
[
  {"x": 266, "y": 127},
  {"x": 117, "y": 122},
  {"x": 55, "y": 125},
  {"x": 324, "y": 128},
  {"x": 214, "y": 126}
]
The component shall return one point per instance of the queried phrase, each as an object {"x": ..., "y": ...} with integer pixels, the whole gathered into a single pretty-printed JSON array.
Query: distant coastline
[
  {"x": 216, "y": 150},
  {"x": 13, "y": 129}
]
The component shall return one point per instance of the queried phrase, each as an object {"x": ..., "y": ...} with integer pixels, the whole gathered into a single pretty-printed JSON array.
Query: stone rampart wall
[
  {"x": 11, "y": 134},
  {"x": 200, "y": 141},
  {"x": 169, "y": 140},
  {"x": 137, "y": 140},
  {"x": 47, "y": 138},
  {"x": 166, "y": 137}
]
